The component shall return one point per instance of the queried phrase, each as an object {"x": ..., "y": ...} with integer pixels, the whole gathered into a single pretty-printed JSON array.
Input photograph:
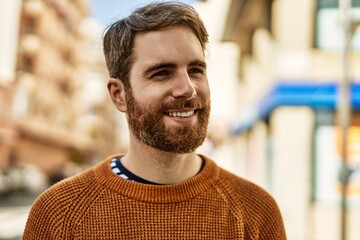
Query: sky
[{"x": 107, "y": 11}]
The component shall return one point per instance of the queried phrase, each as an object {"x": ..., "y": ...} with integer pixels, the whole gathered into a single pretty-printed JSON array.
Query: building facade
[
  {"x": 54, "y": 107},
  {"x": 288, "y": 133}
]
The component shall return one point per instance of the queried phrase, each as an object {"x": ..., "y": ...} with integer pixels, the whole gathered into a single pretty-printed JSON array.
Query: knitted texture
[{"x": 98, "y": 204}]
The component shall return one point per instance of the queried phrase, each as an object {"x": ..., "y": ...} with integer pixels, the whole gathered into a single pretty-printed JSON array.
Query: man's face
[{"x": 168, "y": 104}]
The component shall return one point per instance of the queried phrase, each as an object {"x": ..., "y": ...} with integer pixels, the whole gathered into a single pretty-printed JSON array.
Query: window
[{"x": 329, "y": 33}]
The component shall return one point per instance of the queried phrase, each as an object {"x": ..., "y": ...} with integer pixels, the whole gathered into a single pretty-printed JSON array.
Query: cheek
[
  {"x": 149, "y": 95},
  {"x": 155, "y": 91},
  {"x": 203, "y": 90}
]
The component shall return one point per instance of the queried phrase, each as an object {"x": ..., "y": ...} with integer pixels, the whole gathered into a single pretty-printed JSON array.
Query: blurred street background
[{"x": 285, "y": 84}]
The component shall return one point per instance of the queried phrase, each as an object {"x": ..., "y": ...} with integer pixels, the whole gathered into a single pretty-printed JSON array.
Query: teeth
[{"x": 181, "y": 114}]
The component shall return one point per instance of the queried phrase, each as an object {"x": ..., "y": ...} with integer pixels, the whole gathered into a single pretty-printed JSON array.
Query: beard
[{"x": 147, "y": 124}]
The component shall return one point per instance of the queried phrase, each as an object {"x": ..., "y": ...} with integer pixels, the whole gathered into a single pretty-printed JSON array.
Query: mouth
[{"x": 181, "y": 114}]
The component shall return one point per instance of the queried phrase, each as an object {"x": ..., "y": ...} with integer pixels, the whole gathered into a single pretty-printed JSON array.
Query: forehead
[{"x": 176, "y": 44}]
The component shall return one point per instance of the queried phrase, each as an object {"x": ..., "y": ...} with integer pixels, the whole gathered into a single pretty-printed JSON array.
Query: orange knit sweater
[{"x": 98, "y": 204}]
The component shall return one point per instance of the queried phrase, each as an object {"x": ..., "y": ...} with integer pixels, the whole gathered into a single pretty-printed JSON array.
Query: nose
[{"x": 183, "y": 86}]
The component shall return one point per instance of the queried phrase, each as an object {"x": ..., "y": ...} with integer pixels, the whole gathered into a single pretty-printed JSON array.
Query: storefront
[{"x": 293, "y": 149}]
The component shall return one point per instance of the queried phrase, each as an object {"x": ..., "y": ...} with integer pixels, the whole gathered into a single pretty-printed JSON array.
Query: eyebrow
[
  {"x": 198, "y": 63},
  {"x": 158, "y": 66}
]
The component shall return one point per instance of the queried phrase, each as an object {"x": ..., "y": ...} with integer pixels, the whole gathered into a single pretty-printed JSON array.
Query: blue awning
[{"x": 314, "y": 95}]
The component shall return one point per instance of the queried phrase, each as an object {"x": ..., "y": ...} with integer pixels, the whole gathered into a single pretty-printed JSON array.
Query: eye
[
  {"x": 196, "y": 71},
  {"x": 162, "y": 73}
]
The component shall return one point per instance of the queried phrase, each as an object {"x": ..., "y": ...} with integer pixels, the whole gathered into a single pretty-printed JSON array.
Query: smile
[{"x": 181, "y": 114}]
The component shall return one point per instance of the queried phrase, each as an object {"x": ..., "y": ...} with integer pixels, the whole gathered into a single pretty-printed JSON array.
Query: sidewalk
[
  {"x": 14, "y": 209},
  {"x": 12, "y": 222}
]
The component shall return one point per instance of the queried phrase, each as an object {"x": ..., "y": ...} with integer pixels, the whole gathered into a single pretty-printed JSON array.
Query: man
[{"x": 160, "y": 189}]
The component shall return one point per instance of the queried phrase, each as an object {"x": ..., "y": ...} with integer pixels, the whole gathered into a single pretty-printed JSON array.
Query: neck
[{"x": 159, "y": 166}]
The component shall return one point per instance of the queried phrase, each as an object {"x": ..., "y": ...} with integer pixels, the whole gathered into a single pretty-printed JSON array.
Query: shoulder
[
  {"x": 57, "y": 209},
  {"x": 69, "y": 188},
  {"x": 237, "y": 187}
]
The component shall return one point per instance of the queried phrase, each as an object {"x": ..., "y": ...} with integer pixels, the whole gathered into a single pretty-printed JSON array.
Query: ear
[{"x": 117, "y": 93}]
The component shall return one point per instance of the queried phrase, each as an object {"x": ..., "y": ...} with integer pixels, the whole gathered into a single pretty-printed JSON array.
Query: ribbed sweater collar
[{"x": 154, "y": 193}]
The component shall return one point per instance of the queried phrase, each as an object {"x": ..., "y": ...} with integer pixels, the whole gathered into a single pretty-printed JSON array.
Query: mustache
[{"x": 182, "y": 103}]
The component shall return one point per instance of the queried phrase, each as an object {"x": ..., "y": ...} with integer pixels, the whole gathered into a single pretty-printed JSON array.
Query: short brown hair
[{"x": 119, "y": 38}]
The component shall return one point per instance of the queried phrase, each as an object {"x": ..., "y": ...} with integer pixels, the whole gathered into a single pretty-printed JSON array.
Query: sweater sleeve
[
  {"x": 269, "y": 219},
  {"x": 255, "y": 207},
  {"x": 42, "y": 222}
]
